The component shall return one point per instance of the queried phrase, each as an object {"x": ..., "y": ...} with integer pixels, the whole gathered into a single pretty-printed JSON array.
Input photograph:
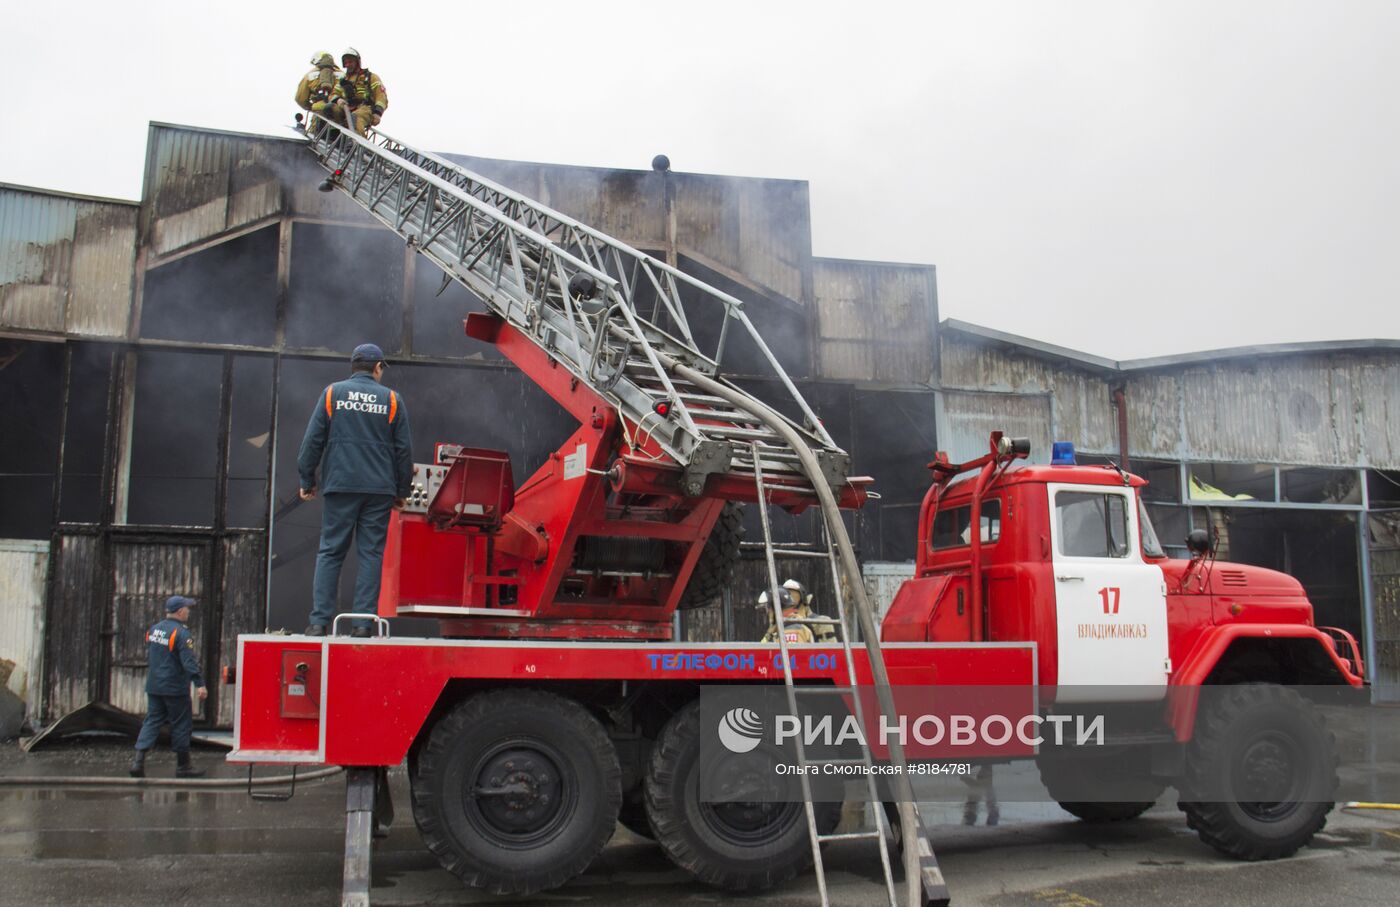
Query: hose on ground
[{"x": 198, "y": 783}]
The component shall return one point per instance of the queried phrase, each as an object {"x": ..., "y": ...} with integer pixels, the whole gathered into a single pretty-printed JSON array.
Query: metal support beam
[{"x": 361, "y": 787}]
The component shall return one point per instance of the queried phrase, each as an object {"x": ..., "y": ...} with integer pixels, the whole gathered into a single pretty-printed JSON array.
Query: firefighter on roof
[
  {"x": 171, "y": 668},
  {"x": 359, "y": 438},
  {"x": 316, "y": 87},
  {"x": 797, "y": 605},
  {"x": 361, "y": 92}
]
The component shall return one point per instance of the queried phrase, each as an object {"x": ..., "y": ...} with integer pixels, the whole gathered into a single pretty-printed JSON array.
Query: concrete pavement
[{"x": 138, "y": 847}]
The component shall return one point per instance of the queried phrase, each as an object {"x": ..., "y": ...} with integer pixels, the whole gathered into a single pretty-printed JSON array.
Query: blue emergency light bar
[{"x": 1062, "y": 453}]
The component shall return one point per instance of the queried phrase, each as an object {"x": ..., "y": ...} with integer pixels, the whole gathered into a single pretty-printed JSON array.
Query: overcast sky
[{"x": 1126, "y": 178}]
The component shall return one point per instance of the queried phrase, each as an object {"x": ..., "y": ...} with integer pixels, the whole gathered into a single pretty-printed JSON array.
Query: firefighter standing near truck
[
  {"x": 797, "y": 605},
  {"x": 171, "y": 668},
  {"x": 362, "y": 93},
  {"x": 315, "y": 89},
  {"x": 359, "y": 438}
]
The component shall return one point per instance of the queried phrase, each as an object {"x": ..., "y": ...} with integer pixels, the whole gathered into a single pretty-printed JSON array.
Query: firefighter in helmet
[
  {"x": 316, "y": 87},
  {"x": 797, "y": 605},
  {"x": 360, "y": 93}
]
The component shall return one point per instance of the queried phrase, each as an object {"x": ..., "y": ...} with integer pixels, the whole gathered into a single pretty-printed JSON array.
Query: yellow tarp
[{"x": 1200, "y": 491}]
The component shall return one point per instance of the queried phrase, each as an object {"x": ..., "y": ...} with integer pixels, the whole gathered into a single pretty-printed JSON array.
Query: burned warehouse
[{"x": 160, "y": 358}]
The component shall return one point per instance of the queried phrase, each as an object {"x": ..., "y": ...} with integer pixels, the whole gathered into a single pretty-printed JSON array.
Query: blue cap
[
  {"x": 176, "y": 602},
  {"x": 367, "y": 352}
]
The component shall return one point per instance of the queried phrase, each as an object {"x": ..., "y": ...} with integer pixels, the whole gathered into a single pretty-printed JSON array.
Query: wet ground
[{"x": 141, "y": 847}]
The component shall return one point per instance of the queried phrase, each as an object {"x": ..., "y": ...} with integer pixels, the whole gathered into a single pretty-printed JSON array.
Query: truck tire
[
  {"x": 1122, "y": 780},
  {"x": 555, "y": 789},
  {"x": 714, "y": 571},
  {"x": 1261, "y": 771},
  {"x": 737, "y": 847}
]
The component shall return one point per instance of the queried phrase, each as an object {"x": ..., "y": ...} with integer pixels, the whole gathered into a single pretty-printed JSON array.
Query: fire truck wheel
[
  {"x": 517, "y": 790},
  {"x": 1261, "y": 772},
  {"x": 715, "y": 568},
  {"x": 734, "y": 846}
]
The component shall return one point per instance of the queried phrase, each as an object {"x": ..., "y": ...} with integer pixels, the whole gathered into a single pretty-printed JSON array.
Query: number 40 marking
[{"x": 1110, "y": 596}]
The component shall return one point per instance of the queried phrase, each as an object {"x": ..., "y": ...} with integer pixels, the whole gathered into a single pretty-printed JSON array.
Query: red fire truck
[{"x": 555, "y": 704}]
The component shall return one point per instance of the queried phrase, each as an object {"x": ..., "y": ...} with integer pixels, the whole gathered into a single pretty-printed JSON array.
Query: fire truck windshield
[{"x": 1151, "y": 546}]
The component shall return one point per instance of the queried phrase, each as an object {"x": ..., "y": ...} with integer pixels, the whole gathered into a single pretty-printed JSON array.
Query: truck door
[{"x": 1110, "y": 605}]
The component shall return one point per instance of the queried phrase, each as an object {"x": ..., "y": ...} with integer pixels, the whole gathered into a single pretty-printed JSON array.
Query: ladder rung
[
  {"x": 830, "y": 691},
  {"x": 703, "y": 398},
  {"x": 723, "y": 415},
  {"x": 652, "y": 376},
  {"x": 783, "y": 454},
  {"x": 815, "y": 554},
  {"x": 851, "y": 836},
  {"x": 751, "y": 433},
  {"x": 786, "y": 470},
  {"x": 812, "y": 621}
]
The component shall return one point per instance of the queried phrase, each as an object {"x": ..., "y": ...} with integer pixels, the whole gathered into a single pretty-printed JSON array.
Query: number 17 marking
[{"x": 1110, "y": 596}]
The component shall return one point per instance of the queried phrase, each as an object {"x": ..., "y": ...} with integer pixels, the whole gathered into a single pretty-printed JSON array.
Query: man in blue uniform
[
  {"x": 359, "y": 438},
  {"x": 171, "y": 668}
]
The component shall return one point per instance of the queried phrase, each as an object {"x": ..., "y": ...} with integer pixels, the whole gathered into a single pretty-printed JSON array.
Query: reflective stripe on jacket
[
  {"x": 171, "y": 665},
  {"x": 359, "y": 438}
]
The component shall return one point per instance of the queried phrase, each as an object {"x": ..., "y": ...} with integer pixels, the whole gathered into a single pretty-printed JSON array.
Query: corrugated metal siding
[
  {"x": 875, "y": 321},
  {"x": 73, "y": 625},
  {"x": 144, "y": 574},
  {"x": 65, "y": 263},
  {"x": 882, "y": 582},
  {"x": 756, "y": 228},
  {"x": 203, "y": 184},
  {"x": 1311, "y": 410},
  {"x": 245, "y": 586},
  {"x": 966, "y": 419},
  {"x": 1082, "y": 411},
  {"x": 24, "y": 567},
  {"x": 627, "y": 204}
]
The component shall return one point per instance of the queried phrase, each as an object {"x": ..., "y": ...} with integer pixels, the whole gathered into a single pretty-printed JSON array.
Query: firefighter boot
[
  {"x": 138, "y": 764},
  {"x": 184, "y": 768}
]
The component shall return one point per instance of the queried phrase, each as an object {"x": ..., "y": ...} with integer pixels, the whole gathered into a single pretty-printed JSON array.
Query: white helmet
[
  {"x": 349, "y": 52},
  {"x": 796, "y": 592}
]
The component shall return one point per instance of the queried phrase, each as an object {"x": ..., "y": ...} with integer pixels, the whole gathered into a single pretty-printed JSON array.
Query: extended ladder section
[{"x": 611, "y": 315}]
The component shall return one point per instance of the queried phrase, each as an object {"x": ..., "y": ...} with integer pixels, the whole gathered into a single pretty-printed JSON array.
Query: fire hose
[{"x": 196, "y": 783}]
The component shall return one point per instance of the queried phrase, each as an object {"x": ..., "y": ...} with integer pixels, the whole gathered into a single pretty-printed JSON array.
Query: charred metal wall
[
  {"x": 877, "y": 322},
  {"x": 990, "y": 386},
  {"x": 1313, "y": 404},
  {"x": 1332, "y": 409},
  {"x": 23, "y": 579},
  {"x": 66, "y": 263},
  {"x": 108, "y": 587}
]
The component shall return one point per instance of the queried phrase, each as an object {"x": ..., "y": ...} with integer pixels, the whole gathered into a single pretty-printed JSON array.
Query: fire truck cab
[{"x": 1214, "y": 655}]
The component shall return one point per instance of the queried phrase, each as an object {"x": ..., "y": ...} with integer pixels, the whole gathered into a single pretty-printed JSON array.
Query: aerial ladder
[{"x": 625, "y": 327}]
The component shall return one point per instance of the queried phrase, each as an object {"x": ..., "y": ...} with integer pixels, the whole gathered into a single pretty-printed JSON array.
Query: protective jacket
[
  {"x": 364, "y": 87},
  {"x": 801, "y": 632},
  {"x": 359, "y": 437},
  {"x": 171, "y": 662},
  {"x": 315, "y": 87}
]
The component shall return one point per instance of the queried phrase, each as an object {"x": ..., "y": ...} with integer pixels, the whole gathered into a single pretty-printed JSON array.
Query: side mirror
[{"x": 1198, "y": 542}]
